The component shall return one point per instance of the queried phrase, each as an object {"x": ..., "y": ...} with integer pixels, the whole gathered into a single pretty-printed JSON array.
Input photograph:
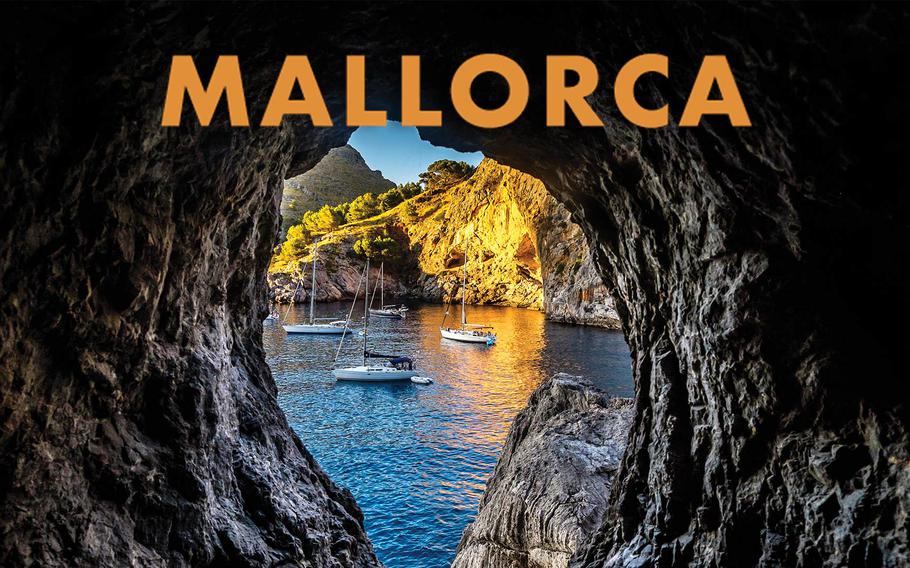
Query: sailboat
[
  {"x": 316, "y": 326},
  {"x": 392, "y": 368},
  {"x": 391, "y": 311},
  {"x": 468, "y": 332}
]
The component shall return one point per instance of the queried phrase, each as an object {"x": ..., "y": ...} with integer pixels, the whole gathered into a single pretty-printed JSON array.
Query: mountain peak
[{"x": 340, "y": 176}]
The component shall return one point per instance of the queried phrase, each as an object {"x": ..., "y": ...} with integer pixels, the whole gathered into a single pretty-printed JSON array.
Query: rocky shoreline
[
  {"x": 552, "y": 482},
  {"x": 591, "y": 306}
]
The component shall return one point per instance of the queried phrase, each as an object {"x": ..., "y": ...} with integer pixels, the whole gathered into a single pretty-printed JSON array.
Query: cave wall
[{"x": 758, "y": 272}]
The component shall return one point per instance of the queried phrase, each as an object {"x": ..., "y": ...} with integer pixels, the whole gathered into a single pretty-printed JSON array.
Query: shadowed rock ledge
[{"x": 552, "y": 482}]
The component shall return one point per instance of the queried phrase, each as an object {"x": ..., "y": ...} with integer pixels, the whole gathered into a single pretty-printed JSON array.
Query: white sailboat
[
  {"x": 467, "y": 332},
  {"x": 392, "y": 368},
  {"x": 316, "y": 326},
  {"x": 391, "y": 311}
]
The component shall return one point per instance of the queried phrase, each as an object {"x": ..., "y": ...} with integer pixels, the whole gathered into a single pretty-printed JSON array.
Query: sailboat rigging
[
  {"x": 393, "y": 368},
  {"x": 391, "y": 311},
  {"x": 467, "y": 332},
  {"x": 316, "y": 326}
]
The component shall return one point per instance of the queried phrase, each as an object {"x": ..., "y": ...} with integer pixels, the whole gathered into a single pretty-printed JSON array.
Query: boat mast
[
  {"x": 464, "y": 287},
  {"x": 382, "y": 285},
  {"x": 366, "y": 312},
  {"x": 313, "y": 287}
]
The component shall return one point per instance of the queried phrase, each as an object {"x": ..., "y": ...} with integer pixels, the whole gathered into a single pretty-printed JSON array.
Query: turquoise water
[{"x": 417, "y": 457}]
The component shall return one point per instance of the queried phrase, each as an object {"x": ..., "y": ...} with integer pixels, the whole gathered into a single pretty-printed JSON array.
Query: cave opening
[{"x": 424, "y": 455}]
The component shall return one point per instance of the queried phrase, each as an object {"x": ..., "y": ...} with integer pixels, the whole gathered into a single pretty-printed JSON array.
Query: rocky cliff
[
  {"x": 552, "y": 482},
  {"x": 523, "y": 250},
  {"x": 340, "y": 176}
]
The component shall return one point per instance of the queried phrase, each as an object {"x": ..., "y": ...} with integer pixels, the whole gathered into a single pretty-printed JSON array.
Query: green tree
[
  {"x": 443, "y": 173},
  {"x": 378, "y": 246},
  {"x": 325, "y": 220},
  {"x": 363, "y": 207},
  {"x": 296, "y": 242},
  {"x": 410, "y": 189},
  {"x": 390, "y": 199}
]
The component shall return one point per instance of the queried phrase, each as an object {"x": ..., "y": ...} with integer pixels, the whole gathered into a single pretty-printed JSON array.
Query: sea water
[{"x": 417, "y": 457}]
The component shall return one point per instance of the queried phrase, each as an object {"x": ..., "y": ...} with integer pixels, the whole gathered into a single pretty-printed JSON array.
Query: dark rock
[{"x": 552, "y": 481}]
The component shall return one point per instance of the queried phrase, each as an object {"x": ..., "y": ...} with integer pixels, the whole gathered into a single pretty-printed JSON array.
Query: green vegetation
[
  {"x": 322, "y": 222},
  {"x": 444, "y": 173},
  {"x": 328, "y": 218},
  {"x": 339, "y": 177},
  {"x": 379, "y": 246}
]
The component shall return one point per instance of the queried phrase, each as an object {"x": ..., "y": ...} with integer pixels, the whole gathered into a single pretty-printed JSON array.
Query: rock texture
[
  {"x": 340, "y": 176},
  {"x": 138, "y": 419},
  {"x": 552, "y": 481},
  {"x": 523, "y": 251},
  {"x": 758, "y": 273}
]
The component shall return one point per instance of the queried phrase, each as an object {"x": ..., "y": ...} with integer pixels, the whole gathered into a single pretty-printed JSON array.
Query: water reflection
[{"x": 417, "y": 457}]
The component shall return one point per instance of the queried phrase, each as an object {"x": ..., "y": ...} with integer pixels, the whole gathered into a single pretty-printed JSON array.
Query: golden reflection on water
[{"x": 484, "y": 380}]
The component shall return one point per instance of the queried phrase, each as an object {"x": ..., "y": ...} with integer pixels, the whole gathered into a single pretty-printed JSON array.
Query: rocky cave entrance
[
  {"x": 139, "y": 417},
  {"x": 451, "y": 433}
]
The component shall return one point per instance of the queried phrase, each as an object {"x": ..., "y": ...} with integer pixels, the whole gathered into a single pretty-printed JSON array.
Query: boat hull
[
  {"x": 458, "y": 335},
  {"x": 372, "y": 374},
  {"x": 315, "y": 329},
  {"x": 388, "y": 314}
]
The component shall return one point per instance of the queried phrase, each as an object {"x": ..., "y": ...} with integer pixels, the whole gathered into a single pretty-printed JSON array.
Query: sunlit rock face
[
  {"x": 522, "y": 250},
  {"x": 758, "y": 273}
]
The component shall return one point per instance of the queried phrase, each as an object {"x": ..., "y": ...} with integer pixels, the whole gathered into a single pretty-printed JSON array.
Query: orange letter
[
  {"x": 559, "y": 95},
  {"x": 358, "y": 115},
  {"x": 296, "y": 69},
  {"x": 411, "y": 113},
  {"x": 624, "y": 90},
  {"x": 184, "y": 78},
  {"x": 489, "y": 63},
  {"x": 715, "y": 68}
]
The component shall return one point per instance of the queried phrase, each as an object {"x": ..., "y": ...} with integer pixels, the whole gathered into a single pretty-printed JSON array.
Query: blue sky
[{"x": 399, "y": 152}]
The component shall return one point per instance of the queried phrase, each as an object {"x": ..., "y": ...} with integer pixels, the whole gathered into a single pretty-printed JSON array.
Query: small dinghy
[
  {"x": 316, "y": 326},
  {"x": 422, "y": 380}
]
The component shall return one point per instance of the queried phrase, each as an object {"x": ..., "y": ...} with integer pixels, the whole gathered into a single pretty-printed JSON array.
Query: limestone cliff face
[
  {"x": 522, "y": 250},
  {"x": 552, "y": 482}
]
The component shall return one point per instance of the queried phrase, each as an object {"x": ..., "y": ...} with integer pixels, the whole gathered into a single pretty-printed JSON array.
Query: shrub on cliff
[
  {"x": 363, "y": 207},
  {"x": 411, "y": 214},
  {"x": 325, "y": 220},
  {"x": 379, "y": 246},
  {"x": 443, "y": 173}
]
